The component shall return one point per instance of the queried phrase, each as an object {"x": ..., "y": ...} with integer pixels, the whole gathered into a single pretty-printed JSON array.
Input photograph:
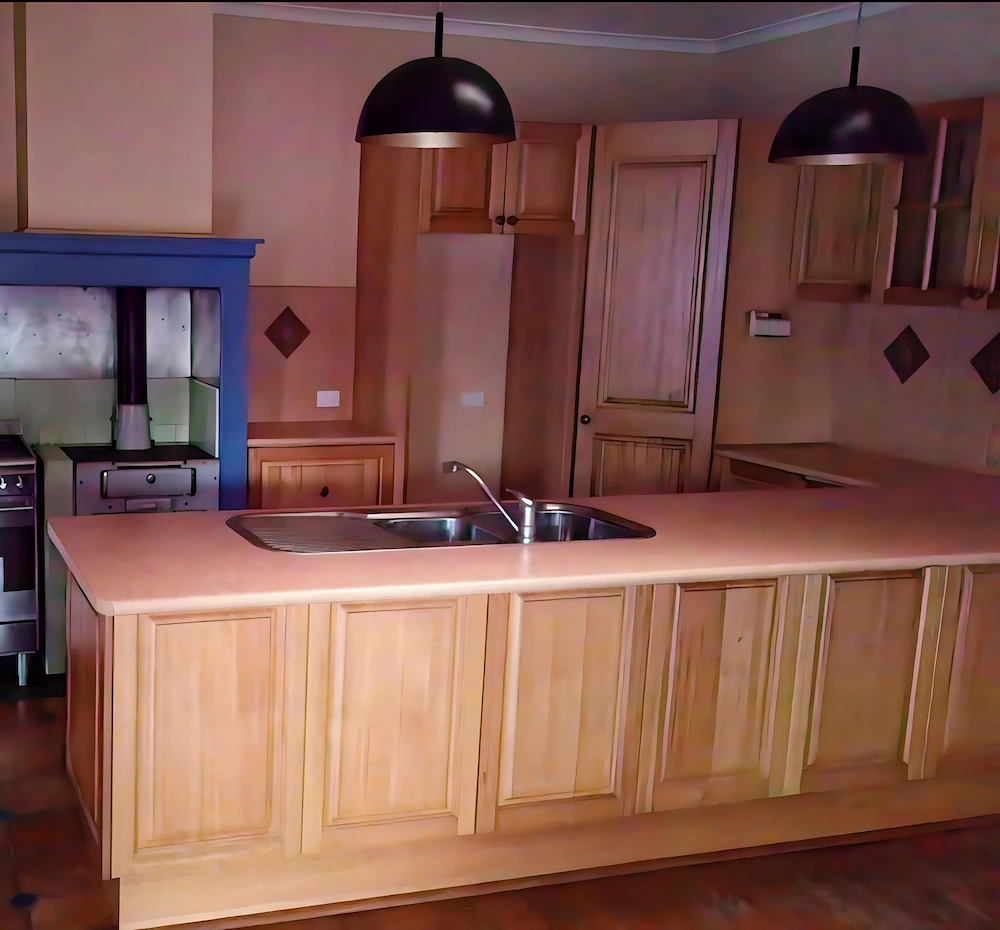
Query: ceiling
[
  {"x": 675, "y": 60},
  {"x": 675, "y": 26}
]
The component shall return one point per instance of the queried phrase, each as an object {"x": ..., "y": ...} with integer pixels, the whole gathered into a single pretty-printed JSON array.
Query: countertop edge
[
  {"x": 196, "y": 604},
  {"x": 776, "y": 461}
]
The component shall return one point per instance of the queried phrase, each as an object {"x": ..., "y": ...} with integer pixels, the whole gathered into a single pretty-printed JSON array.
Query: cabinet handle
[
  {"x": 500, "y": 220},
  {"x": 585, "y": 419},
  {"x": 511, "y": 220},
  {"x": 324, "y": 492}
]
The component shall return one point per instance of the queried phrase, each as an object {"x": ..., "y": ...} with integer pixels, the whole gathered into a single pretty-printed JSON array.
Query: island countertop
[{"x": 175, "y": 562}]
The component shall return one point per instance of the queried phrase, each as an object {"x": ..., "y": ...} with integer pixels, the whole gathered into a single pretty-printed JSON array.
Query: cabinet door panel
[
  {"x": 712, "y": 680},
  {"x": 863, "y": 689},
  {"x": 964, "y": 732},
  {"x": 547, "y": 169},
  {"x": 203, "y": 766},
  {"x": 564, "y": 712},
  {"x": 320, "y": 476},
  {"x": 392, "y": 731},
  {"x": 835, "y": 231},
  {"x": 462, "y": 189}
]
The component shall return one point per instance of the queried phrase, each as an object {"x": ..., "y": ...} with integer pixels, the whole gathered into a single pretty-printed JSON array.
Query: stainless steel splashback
[{"x": 69, "y": 332}]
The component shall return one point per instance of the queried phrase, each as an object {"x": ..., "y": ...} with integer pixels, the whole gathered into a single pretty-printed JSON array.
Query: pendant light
[
  {"x": 436, "y": 103},
  {"x": 851, "y": 125}
]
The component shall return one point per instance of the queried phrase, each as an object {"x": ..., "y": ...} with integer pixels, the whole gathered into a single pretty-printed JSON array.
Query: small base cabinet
[
  {"x": 320, "y": 756},
  {"x": 320, "y": 476}
]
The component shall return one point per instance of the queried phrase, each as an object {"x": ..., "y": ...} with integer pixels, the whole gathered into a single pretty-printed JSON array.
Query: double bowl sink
[{"x": 322, "y": 532}]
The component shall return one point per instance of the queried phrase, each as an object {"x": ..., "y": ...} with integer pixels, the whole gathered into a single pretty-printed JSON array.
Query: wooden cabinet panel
[
  {"x": 561, "y": 708},
  {"x": 537, "y": 185},
  {"x": 88, "y": 714},
  {"x": 964, "y": 731},
  {"x": 201, "y": 768},
  {"x": 861, "y": 705},
  {"x": 394, "y": 702},
  {"x": 937, "y": 243},
  {"x": 320, "y": 476},
  {"x": 715, "y": 711},
  {"x": 462, "y": 190},
  {"x": 836, "y": 229},
  {"x": 546, "y": 180}
]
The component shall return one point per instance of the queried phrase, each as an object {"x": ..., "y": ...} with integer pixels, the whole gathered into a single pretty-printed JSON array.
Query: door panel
[
  {"x": 461, "y": 189},
  {"x": 561, "y": 709},
  {"x": 394, "y": 696},
  {"x": 653, "y": 309},
  {"x": 863, "y": 689}
]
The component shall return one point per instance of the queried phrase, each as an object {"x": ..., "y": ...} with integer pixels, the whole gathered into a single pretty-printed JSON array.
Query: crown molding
[{"x": 306, "y": 13}]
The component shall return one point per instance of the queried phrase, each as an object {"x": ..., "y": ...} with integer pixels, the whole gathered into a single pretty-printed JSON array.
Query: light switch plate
[
  {"x": 473, "y": 399},
  {"x": 328, "y": 398}
]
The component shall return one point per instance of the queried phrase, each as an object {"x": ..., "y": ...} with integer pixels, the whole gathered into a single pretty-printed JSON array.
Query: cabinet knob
[
  {"x": 511, "y": 220},
  {"x": 324, "y": 491},
  {"x": 499, "y": 221},
  {"x": 585, "y": 419}
]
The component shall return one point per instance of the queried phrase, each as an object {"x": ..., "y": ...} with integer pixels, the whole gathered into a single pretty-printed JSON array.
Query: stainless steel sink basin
[
  {"x": 437, "y": 531},
  {"x": 327, "y": 531}
]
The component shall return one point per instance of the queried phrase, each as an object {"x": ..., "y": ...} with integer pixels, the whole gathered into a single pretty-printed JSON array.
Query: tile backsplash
[
  {"x": 68, "y": 411},
  {"x": 832, "y": 381}
]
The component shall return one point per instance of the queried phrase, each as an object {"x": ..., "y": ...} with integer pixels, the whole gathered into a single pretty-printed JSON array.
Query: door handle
[
  {"x": 511, "y": 220},
  {"x": 499, "y": 220},
  {"x": 585, "y": 419},
  {"x": 324, "y": 491}
]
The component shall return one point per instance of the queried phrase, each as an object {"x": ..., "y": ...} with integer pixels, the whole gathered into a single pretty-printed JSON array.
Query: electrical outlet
[
  {"x": 328, "y": 398},
  {"x": 473, "y": 399}
]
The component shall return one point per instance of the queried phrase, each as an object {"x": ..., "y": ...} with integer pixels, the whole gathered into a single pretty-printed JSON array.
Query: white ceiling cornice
[{"x": 305, "y": 13}]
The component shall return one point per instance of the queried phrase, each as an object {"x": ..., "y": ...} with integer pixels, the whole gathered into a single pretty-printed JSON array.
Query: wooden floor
[{"x": 941, "y": 880}]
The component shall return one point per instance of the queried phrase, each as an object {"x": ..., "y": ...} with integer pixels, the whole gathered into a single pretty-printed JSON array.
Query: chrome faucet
[{"x": 526, "y": 531}]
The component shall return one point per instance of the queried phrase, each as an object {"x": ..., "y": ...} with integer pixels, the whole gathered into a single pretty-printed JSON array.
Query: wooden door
[
  {"x": 865, "y": 707},
  {"x": 715, "y": 712},
  {"x": 394, "y": 698},
  {"x": 320, "y": 476},
  {"x": 561, "y": 708},
  {"x": 204, "y": 765},
  {"x": 660, "y": 211},
  {"x": 546, "y": 182},
  {"x": 963, "y": 736},
  {"x": 462, "y": 190}
]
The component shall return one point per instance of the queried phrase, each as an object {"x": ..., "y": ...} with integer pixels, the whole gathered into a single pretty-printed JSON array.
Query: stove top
[
  {"x": 15, "y": 451},
  {"x": 172, "y": 452}
]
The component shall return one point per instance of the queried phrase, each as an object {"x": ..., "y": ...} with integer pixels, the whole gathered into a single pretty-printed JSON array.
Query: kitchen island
[{"x": 254, "y": 732}]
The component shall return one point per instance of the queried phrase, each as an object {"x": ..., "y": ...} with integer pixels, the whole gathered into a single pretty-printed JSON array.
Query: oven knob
[
  {"x": 20, "y": 481},
  {"x": 151, "y": 479},
  {"x": 3, "y": 483}
]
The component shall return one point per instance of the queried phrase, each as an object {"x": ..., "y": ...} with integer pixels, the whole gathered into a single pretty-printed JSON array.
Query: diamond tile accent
[
  {"x": 906, "y": 354},
  {"x": 987, "y": 364},
  {"x": 287, "y": 332}
]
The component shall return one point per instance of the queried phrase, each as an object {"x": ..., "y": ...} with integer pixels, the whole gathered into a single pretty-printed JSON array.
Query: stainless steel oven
[{"x": 18, "y": 553}]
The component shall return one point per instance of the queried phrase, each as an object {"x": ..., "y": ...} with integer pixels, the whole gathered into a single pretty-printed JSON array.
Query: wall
[{"x": 830, "y": 380}]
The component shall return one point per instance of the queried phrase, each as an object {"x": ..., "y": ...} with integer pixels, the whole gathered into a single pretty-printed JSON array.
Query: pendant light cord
[
  {"x": 856, "y": 51},
  {"x": 438, "y": 33}
]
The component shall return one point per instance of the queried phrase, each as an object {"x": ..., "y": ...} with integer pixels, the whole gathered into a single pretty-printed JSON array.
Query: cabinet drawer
[{"x": 321, "y": 476}]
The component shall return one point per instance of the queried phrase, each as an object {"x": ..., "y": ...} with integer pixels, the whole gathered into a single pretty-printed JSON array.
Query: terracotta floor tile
[
  {"x": 51, "y": 855},
  {"x": 89, "y": 910},
  {"x": 13, "y": 920},
  {"x": 37, "y": 793}
]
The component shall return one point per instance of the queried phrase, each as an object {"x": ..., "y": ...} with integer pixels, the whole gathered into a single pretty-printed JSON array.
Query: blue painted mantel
[{"x": 83, "y": 260}]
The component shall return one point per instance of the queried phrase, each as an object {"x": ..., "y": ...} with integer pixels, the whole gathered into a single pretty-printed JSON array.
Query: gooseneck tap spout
[
  {"x": 526, "y": 531},
  {"x": 451, "y": 467}
]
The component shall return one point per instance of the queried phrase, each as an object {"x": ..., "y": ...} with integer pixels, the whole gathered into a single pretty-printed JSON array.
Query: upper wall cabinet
[
  {"x": 836, "y": 231},
  {"x": 536, "y": 185},
  {"x": 937, "y": 235},
  {"x": 924, "y": 232}
]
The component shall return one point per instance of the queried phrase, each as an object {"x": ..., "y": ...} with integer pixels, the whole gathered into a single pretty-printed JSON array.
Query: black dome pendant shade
[
  {"x": 849, "y": 126},
  {"x": 436, "y": 103}
]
